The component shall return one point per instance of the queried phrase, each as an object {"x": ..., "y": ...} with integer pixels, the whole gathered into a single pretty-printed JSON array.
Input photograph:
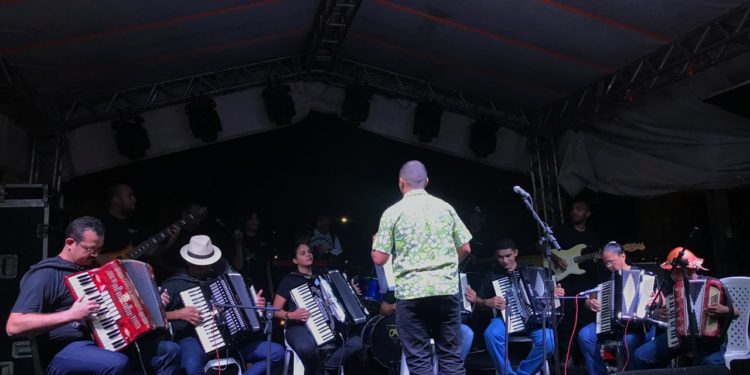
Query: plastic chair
[
  {"x": 405, "y": 368},
  {"x": 738, "y": 341}
]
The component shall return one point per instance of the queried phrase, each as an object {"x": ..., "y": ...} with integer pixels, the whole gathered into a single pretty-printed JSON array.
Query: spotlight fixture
[
  {"x": 203, "y": 118},
  {"x": 131, "y": 137},
  {"x": 427, "y": 118},
  {"x": 483, "y": 138},
  {"x": 279, "y": 104},
  {"x": 356, "y": 106}
]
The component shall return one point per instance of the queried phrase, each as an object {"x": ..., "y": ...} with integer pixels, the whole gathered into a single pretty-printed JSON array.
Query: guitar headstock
[
  {"x": 192, "y": 216},
  {"x": 634, "y": 246}
]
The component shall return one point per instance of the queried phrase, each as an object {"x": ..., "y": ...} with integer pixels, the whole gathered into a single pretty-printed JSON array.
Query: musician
[
  {"x": 388, "y": 307},
  {"x": 614, "y": 258},
  {"x": 324, "y": 243},
  {"x": 656, "y": 353},
  {"x": 46, "y": 309},
  {"x": 123, "y": 231},
  {"x": 297, "y": 334},
  {"x": 427, "y": 240},
  {"x": 252, "y": 253},
  {"x": 494, "y": 336},
  {"x": 203, "y": 262}
]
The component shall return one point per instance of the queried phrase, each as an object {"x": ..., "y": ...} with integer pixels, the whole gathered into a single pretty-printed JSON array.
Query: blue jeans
[
  {"x": 494, "y": 339},
  {"x": 590, "y": 344},
  {"x": 467, "y": 337},
  {"x": 84, "y": 357},
  {"x": 161, "y": 357},
  {"x": 194, "y": 358},
  {"x": 656, "y": 354}
]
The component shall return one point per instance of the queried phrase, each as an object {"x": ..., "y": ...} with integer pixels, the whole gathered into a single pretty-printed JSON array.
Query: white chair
[
  {"x": 405, "y": 369},
  {"x": 297, "y": 367},
  {"x": 738, "y": 341}
]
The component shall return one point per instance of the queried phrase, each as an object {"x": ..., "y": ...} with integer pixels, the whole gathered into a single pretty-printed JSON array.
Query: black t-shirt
[
  {"x": 257, "y": 254},
  {"x": 289, "y": 282},
  {"x": 120, "y": 233},
  {"x": 43, "y": 290},
  {"x": 179, "y": 283}
]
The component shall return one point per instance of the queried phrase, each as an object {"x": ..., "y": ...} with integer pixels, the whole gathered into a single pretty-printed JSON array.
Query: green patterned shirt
[{"x": 421, "y": 233}]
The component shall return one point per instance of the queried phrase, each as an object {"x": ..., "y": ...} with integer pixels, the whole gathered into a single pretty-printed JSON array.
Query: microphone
[
  {"x": 519, "y": 190},
  {"x": 587, "y": 292}
]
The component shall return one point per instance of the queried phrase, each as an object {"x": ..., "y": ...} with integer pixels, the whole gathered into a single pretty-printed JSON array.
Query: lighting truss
[
  {"x": 331, "y": 25},
  {"x": 160, "y": 94},
  {"x": 719, "y": 40}
]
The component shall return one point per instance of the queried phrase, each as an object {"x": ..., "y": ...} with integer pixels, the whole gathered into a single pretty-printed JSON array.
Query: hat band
[{"x": 198, "y": 256}]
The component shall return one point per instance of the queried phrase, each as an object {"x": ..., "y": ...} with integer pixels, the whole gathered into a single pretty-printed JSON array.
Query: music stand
[{"x": 268, "y": 312}]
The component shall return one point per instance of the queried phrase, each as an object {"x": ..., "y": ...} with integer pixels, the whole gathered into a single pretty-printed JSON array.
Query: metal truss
[
  {"x": 148, "y": 97},
  {"x": 331, "y": 25},
  {"x": 544, "y": 173},
  {"x": 393, "y": 84},
  {"x": 719, "y": 40}
]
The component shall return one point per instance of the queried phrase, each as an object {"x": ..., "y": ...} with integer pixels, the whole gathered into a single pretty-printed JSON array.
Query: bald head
[{"x": 414, "y": 174}]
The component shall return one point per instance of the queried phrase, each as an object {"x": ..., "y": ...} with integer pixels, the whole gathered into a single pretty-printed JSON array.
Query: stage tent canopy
[{"x": 518, "y": 57}]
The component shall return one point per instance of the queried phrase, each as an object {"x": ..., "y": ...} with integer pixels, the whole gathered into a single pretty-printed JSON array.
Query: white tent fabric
[
  {"x": 92, "y": 148},
  {"x": 667, "y": 142}
]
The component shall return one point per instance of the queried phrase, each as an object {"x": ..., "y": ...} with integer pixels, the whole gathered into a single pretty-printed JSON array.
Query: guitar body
[
  {"x": 104, "y": 258},
  {"x": 570, "y": 257}
]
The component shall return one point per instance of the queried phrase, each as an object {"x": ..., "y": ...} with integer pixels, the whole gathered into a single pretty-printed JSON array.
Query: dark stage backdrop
[{"x": 323, "y": 165}]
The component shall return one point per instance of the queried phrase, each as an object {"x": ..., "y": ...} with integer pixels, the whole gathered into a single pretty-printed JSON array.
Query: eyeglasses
[{"x": 89, "y": 249}]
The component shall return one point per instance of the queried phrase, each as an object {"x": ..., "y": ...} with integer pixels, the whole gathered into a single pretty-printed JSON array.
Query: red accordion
[
  {"x": 129, "y": 301},
  {"x": 703, "y": 292}
]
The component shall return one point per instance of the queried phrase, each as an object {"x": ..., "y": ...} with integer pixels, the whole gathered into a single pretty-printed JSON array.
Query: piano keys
[
  {"x": 624, "y": 298},
  {"x": 319, "y": 322},
  {"x": 700, "y": 324},
  {"x": 463, "y": 286},
  {"x": 506, "y": 287},
  {"x": 230, "y": 324},
  {"x": 130, "y": 303}
]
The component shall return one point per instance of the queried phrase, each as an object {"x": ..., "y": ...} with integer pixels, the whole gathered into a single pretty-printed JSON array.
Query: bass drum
[{"x": 381, "y": 342}]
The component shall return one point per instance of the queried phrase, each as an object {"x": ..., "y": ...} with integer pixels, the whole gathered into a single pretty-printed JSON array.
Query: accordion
[
  {"x": 527, "y": 297},
  {"x": 332, "y": 304},
  {"x": 231, "y": 323},
  {"x": 624, "y": 298},
  {"x": 700, "y": 324},
  {"x": 130, "y": 304},
  {"x": 463, "y": 286}
]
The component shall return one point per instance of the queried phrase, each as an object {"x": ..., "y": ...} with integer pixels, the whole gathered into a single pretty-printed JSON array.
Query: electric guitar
[
  {"x": 190, "y": 217},
  {"x": 574, "y": 258}
]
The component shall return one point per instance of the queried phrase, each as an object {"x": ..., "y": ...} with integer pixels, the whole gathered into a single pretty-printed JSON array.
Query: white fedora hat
[{"x": 200, "y": 251}]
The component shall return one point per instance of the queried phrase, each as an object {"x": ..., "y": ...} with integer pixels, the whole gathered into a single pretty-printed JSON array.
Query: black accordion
[
  {"x": 230, "y": 324},
  {"x": 333, "y": 305},
  {"x": 528, "y": 298},
  {"x": 623, "y": 298}
]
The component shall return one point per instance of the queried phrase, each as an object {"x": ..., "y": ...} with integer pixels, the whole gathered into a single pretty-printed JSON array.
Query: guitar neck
[
  {"x": 585, "y": 257},
  {"x": 146, "y": 246}
]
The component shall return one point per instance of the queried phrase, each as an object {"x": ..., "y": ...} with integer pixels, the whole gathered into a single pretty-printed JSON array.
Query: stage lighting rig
[
  {"x": 483, "y": 137},
  {"x": 427, "y": 117},
  {"x": 356, "y": 106},
  {"x": 279, "y": 104},
  {"x": 131, "y": 137},
  {"x": 203, "y": 118}
]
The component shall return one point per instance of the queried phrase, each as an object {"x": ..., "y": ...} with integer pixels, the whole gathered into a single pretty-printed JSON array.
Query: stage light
[
  {"x": 279, "y": 104},
  {"x": 356, "y": 106},
  {"x": 131, "y": 137},
  {"x": 344, "y": 220},
  {"x": 427, "y": 118},
  {"x": 482, "y": 137},
  {"x": 203, "y": 118}
]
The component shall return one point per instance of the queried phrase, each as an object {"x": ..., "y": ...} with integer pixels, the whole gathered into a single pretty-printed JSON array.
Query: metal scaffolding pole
[{"x": 331, "y": 25}]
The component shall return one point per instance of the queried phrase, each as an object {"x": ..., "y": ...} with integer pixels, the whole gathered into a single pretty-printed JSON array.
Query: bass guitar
[{"x": 190, "y": 217}]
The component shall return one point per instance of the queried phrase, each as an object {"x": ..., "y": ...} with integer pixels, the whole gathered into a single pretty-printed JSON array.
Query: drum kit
[{"x": 379, "y": 335}]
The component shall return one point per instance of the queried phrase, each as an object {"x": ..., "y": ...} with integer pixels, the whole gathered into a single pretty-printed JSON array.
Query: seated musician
[
  {"x": 656, "y": 353},
  {"x": 613, "y": 258},
  {"x": 388, "y": 307},
  {"x": 494, "y": 336},
  {"x": 297, "y": 334},
  {"x": 45, "y": 308},
  {"x": 203, "y": 263}
]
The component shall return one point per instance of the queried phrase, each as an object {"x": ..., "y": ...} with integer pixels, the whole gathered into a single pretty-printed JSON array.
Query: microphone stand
[
  {"x": 268, "y": 311},
  {"x": 549, "y": 241}
]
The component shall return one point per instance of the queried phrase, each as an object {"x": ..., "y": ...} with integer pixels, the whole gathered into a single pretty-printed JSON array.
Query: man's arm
[
  {"x": 32, "y": 324},
  {"x": 379, "y": 257},
  {"x": 463, "y": 251}
]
